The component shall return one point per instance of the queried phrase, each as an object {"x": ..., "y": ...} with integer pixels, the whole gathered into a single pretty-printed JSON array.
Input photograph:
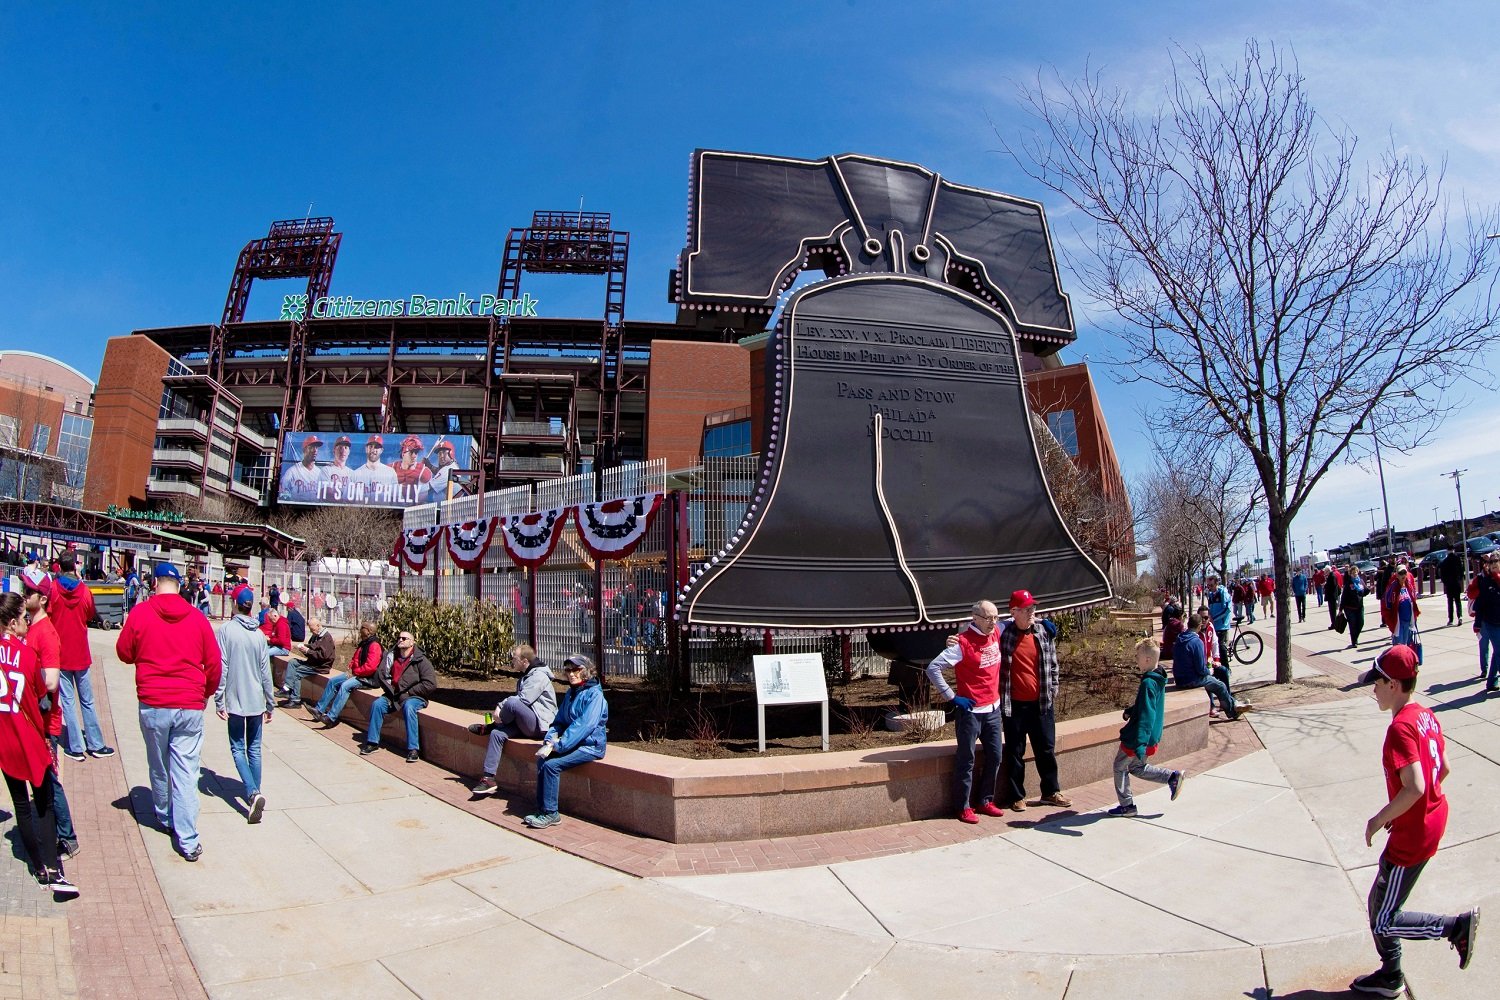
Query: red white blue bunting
[
  {"x": 613, "y": 529},
  {"x": 413, "y": 545},
  {"x": 469, "y": 541},
  {"x": 530, "y": 538}
]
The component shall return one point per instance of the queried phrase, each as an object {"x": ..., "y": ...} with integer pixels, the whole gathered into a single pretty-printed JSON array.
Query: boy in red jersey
[
  {"x": 975, "y": 658},
  {"x": 1416, "y": 764}
]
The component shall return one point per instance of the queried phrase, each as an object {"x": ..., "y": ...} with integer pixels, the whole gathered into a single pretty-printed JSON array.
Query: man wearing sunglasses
[
  {"x": 1415, "y": 761},
  {"x": 408, "y": 680}
]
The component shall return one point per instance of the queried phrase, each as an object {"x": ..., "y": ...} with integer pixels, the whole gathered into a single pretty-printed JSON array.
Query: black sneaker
[
  {"x": 102, "y": 752},
  {"x": 368, "y": 749},
  {"x": 412, "y": 756},
  {"x": 1465, "y": 929},
  {"x": 257, "y": 808},
  {"x": 1381, "y": 984},
  {"x": 477, "y": 728},
  {"x": 67, "y": 850},
  {"x": 194, "y": 854},
  {"x": 484, "y": 786},
  {"x": 60, "y": 886},
  {"x": 1175, "y": 783},
  {"x": 74, "y": 755},
  {"x": 1129, "y": 810}
]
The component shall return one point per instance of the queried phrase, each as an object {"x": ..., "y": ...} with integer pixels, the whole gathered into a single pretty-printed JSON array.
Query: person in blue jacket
[
  {"x": 1190, "y": 670},
  {"x": 1299, "y": 592},
  {"x": 576, "y": 736}
]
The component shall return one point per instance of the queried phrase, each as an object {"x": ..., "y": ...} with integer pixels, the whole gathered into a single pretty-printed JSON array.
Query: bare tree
[
  {"x": 351, "y": 532},
  {"x": 1282, "y": 294},
  {"x": 1198, "y": 501},
  {"x": 1099, "y": 518}
]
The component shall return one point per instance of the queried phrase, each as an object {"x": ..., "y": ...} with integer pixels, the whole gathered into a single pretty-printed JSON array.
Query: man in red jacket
[
  {"x": 177, "y": 668},
  {"x": 71, "y": 610}
]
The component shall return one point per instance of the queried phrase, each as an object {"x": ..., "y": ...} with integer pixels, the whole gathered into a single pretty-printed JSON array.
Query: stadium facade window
[
  {"x": 727, "y": 440},
  {"x": 10, "y": 430},
  {"x": 41, "y": 436},
  {"x": 1064, "y": 426}
]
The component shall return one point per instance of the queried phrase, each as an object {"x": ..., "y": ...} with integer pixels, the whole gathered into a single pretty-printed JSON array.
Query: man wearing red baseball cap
[
  {"x": 299, "y": 483},
  {"x": 374, "y": 482},
  {"x": 411, "y": 470},
  {"x": 337, "y": 472},
  {"x": 437, "y": 486},
  {"x": 1028, "y": 689},
  {"x": 1415, "y": 760}
]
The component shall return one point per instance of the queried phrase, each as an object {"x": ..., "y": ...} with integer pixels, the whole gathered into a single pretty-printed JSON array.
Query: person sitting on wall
[
  {"x": 527, "y": 713},
  {"x": 408, "y": 679},
  {"x": 576, "y": 736},
  {"x": 362, "y": 670},
  {"x": 1190, "y": 670},
  {"x": 316, "y": 658},
  {"x": 277, "y": 630},
  {"x": 295, "y": 623}
]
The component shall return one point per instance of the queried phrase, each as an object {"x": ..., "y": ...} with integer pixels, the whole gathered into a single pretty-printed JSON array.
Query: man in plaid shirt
[{"x": 1028, "y": 688}]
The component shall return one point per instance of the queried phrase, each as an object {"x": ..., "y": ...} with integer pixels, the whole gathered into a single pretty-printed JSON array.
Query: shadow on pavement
[
  {"x": 1067, "y": 824},
  {"x": 230, "y": 790},
  {"x": 1303, "y": 994}
]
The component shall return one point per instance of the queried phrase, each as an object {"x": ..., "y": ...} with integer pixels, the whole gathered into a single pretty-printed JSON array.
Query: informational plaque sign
[{"x": 790, "y": 679}]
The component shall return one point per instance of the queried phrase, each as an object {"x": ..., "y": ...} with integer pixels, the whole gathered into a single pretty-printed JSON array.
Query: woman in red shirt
[{"x": 25, "y": 753}]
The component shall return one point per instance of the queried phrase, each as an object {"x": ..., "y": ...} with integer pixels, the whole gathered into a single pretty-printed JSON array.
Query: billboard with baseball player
[{"x": 371, "y": 470}]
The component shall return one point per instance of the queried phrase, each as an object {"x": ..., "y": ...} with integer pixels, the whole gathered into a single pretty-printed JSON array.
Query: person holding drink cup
[{"x": 527, "y": 713}]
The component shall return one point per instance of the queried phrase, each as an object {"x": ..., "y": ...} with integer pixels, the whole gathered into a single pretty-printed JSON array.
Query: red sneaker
[
  {"x": 968, "y": 816},
  {"x": 990, "y": 809}
]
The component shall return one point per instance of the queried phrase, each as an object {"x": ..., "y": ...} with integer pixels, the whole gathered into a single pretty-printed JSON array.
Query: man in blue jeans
[
  {"x": 177, "y": 668},
  {"x": 1219, "y": 607},
  {"x": 975, "y": 659},
  {"x": 1487, "y": 617},
  {"x": 1190, "y": 670},
  {"x": 408, "y": 680}
]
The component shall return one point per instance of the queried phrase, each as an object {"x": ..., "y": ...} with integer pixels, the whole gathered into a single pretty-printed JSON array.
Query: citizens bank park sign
[{"x": 294, "y": 307}]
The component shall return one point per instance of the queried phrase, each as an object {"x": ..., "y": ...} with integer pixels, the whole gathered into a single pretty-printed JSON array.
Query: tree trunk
[{"x": 1280, "y": 532}]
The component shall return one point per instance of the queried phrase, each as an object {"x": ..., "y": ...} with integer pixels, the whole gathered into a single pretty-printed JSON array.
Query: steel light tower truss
[{"x": 573, "y": 243}]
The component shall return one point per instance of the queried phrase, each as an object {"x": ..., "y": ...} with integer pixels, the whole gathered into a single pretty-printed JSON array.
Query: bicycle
[{"x": 1244, "y": 643}]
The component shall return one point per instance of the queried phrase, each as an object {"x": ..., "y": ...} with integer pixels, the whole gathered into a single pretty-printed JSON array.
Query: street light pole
[
  {"x": 1463, "y": 526},
  {"x": 1390, "y": 545}
]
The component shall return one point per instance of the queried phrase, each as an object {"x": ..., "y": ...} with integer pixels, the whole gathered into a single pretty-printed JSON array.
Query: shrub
[{"x": 471, "y": 637}]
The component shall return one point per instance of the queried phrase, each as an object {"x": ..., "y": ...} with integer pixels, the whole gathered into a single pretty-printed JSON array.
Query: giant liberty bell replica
[{"x": 901, "y": 481}]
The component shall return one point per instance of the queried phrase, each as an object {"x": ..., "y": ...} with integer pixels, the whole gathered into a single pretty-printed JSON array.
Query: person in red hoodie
[
  {"x": 41, "y": 638},
  {"x": 177, "y": 669},
  {"x": 278, "y": 632},
  {"x": 71, "y": 610},
  {"x": 25, "y": 757},
  {"x": 975, "y": 659}
]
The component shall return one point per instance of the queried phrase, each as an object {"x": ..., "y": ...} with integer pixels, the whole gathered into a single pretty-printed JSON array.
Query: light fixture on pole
[{"x": 1463, "y": 527}]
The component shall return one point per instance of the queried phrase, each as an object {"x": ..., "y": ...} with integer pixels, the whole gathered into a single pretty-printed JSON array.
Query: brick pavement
[
  {"x": 644, "y": 857},
  {"x": 116, "y": 940}
]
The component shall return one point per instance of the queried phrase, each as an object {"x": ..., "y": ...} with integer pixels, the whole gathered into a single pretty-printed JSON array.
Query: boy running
[
  {"x": 1142, "y": 732},
  {"x": 1416, "y": 764}
]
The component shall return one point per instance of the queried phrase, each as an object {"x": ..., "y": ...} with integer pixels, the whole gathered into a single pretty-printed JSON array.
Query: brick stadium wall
[
  {"x": 687, "y": 382},
  {"x": 126, "y": 402}
]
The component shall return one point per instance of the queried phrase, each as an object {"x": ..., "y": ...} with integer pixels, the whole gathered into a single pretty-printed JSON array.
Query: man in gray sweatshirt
[
  {"x": 527, "y": 713},
  {"x": 246, "y": 695}
]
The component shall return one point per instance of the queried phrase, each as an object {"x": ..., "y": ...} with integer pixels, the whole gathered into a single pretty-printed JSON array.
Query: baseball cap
[
  {"x": 374, "y": 439},
  {"x": 1022, "y": 599},
  {"x": 166, "y": 569},
  {"x": 445, "y": 446},
  {"x": 343, "y": 439},
  {"x": 1399, "y": 663},
  {"x": 411, "y": 443},
  {"x": 35, "y": 578},
  {"x": 246, "y": 598},
  {"x": 312, "y": 440}
]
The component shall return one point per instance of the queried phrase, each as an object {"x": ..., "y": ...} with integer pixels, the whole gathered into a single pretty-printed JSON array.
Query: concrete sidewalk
[{"x": 1252, "y": 884}]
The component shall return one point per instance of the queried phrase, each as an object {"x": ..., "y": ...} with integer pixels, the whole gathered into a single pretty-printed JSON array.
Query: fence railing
[{"x": 617, "y": 611}]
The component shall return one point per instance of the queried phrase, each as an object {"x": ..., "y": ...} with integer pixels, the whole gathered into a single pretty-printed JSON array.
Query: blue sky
[{"x": 147, "y": 143}]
